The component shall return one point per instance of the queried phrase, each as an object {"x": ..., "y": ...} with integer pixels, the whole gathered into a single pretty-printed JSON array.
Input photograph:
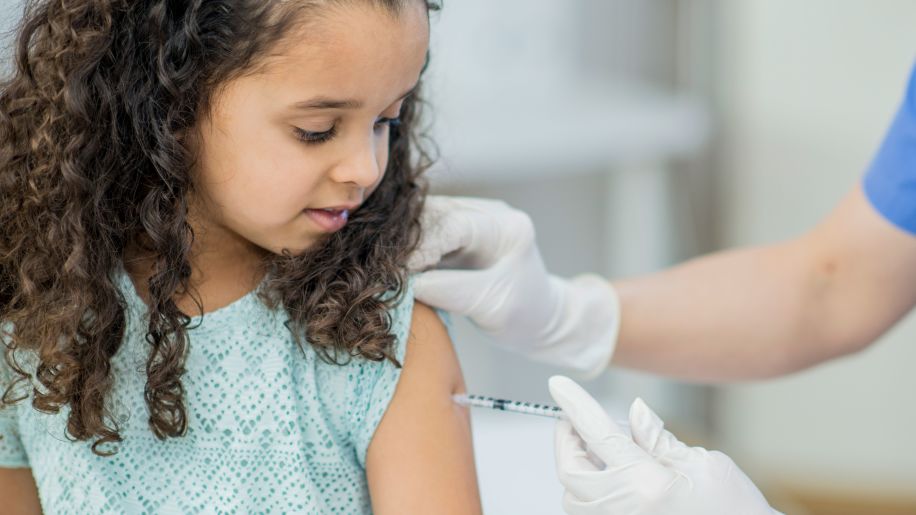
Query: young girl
[{"x": 206, "y": 211}]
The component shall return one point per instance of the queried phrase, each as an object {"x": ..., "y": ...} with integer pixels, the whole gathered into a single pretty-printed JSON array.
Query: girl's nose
[{"x": 360, "y": 166}]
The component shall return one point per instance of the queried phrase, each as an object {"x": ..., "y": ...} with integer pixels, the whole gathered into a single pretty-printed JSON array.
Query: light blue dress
[{"x": 269, "y": 430}]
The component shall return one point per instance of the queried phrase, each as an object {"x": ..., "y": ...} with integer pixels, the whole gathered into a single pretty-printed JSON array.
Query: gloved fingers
[
  {"x": 625, "y": 491},
  {"x": 476, "y": 231},
  {"x": 616, "y": 480},
  {"x": 602, "y": 435},
  {"x": 586, "y": 477},
  {"x": 571, "y": 451},
  {"x": 577, "y": 472},
  {"x": 443, "y": 230},
  {"x": 582, "y": 410},
  {"x": 474, "y": 226},
  {"x": 490, "y": 231},
  {"x": 650, "y": 434},
  {"x": 572, "y": 505},
  {"x": 438, "y": 288},
  {"x": 427, "y": 254}
]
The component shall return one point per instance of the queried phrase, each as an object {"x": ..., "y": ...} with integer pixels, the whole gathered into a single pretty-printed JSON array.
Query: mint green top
[{"x": 269, "y": 430}]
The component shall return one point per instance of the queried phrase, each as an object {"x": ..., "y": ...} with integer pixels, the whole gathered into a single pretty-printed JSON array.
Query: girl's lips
[{"x": 329, "y": 220}]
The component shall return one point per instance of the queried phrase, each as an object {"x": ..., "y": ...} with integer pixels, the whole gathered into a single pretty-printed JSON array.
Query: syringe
[
  {"x": 479, "y": 401},
  {"x": 544, "y": 410}
]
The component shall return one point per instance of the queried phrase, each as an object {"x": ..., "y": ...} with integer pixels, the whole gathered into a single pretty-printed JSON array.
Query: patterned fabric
[{"x": 270, "y": 430}]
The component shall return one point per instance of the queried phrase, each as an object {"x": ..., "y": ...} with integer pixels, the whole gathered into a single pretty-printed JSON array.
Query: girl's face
[{"x": 309, "y": 131}]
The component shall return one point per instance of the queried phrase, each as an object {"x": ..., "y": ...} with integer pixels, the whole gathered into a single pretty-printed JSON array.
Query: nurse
[{"x": 746, "y": 313}]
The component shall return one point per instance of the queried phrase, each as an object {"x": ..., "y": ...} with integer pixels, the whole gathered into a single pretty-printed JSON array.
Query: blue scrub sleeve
[{"x": 890, "y": 182}]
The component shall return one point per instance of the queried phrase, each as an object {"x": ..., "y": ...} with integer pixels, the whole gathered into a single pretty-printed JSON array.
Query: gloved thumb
[
  {"x": 650, "y": 434},
  {"x": 605, "y": 439},
  {"x": 437, "y": 288}
]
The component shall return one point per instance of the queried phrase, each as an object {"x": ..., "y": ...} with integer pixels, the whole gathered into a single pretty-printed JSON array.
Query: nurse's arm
[{"x": 765, "y": 311}]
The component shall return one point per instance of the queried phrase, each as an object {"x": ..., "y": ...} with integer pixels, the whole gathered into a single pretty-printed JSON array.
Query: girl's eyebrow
[{"x": 321, "y": 102}]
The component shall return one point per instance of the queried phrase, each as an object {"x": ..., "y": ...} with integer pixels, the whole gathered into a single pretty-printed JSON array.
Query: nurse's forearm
[
  {"x": 732, "y": 315},
  {"x": 760, "y": 312}
]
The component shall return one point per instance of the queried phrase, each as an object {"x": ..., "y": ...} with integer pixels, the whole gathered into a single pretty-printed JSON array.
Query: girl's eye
[{"x": 314, "y": 138}]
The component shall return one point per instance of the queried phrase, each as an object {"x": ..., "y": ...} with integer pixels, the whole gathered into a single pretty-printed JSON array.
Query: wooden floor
[{"x": 800, "y": 502}]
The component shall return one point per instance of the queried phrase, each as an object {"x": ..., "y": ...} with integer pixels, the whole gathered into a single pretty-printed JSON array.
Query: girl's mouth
[{"x": 329, "y": 220}]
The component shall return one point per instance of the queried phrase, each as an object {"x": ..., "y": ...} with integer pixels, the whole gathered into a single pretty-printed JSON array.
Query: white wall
[{"x": 807, "y": 90}]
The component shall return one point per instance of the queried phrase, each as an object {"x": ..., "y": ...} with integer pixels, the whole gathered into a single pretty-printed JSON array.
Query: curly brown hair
[{"x": 92, "y": 162}]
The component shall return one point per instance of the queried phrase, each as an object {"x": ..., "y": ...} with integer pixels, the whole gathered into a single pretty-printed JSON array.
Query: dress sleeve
[
  {"x": 372, "y": 383},
  {"x": 12, "y": 453},
  {"x": 890, "y": 182}
]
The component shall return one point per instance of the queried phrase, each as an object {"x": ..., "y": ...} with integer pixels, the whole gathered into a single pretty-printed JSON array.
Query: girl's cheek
[{"x": 287, "y": 191}]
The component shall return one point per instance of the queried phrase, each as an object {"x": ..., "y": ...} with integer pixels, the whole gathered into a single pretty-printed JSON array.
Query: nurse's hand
[
  {"x": 490, "y": 270},
  {"x": 605, "y": 471}
]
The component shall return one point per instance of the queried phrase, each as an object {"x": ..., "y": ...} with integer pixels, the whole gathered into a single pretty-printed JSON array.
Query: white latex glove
[
  {"x": 491, "y": 272},
  {"x": 650, "y": 473}
]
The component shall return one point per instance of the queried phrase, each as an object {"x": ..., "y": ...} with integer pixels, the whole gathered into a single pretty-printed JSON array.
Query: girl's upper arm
[
  {"x": 420, "y": 458},
  {"x": 18, "y": 492}
]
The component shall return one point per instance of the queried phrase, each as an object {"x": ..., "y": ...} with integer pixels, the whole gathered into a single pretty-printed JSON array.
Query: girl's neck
[{"x": 223, "y": 270}]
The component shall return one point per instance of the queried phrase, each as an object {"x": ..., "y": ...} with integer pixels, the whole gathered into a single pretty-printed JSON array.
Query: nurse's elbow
[
  {"x": 841, "y": 320},
  {"x": 827, "y": 323}
]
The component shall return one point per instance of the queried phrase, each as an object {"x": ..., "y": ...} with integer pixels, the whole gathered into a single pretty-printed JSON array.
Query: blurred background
[{"x": 639, "y": 133}]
